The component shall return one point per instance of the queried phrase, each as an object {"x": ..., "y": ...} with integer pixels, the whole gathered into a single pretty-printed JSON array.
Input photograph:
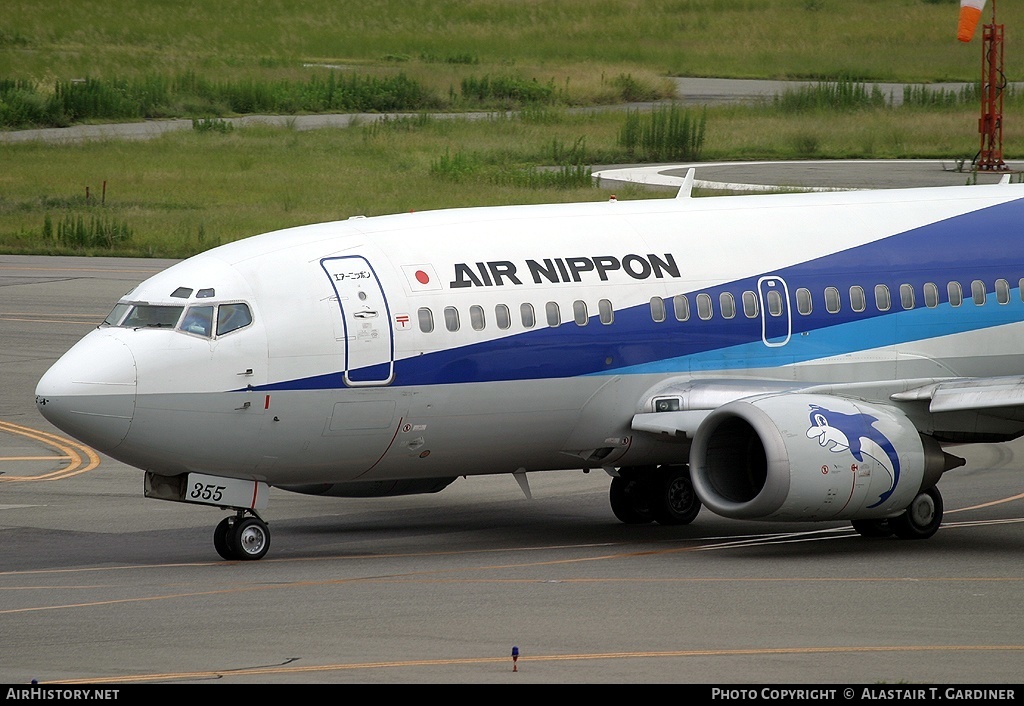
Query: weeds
[
  {"x": 830, "y": 96},
  {"x": 455, "y": 168},
  {"x": 564, "y": 177},
  {"x": 667, "y": 133},
  {"x": 394, "y": 124},
  {"x": 212, "y": 125},
  {"x": 81, "y": 233},
  {"x": 507, "y": 88},
  {"x": 22, "y": 103},
  {"x": 632, "y": 91}
]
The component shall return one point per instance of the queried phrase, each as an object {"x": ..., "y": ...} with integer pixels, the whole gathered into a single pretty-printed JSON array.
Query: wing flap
[{"x": 970, "y": 394}]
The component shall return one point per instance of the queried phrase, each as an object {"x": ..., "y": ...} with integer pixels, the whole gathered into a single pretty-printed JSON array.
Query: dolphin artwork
[{"x": 848, "y": 432}]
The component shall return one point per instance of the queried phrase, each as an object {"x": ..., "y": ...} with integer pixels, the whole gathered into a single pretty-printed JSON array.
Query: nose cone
[{"x": 90, "y": 392}]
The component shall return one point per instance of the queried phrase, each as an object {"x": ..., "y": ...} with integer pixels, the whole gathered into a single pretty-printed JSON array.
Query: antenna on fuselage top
[{"x": 687, "y": 186}]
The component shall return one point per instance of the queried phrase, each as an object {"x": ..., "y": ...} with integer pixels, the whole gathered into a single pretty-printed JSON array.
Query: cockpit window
[
  {"x": 152, "y": 315},
  {"x": 198, "y": 320},
  {"x": 115, "y": 316},
  {"x": 181, "y": 293},
  {"x": 231, "y": 317}
]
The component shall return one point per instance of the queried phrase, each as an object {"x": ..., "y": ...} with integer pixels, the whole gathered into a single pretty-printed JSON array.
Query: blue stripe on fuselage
[{"x": 981, "y": 245}]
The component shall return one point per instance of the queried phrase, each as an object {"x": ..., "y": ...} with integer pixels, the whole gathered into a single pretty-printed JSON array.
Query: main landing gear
[
  {"x": 238, "y": 537},
  {"x": 920, "y": 520},
  {"x": 662, "y": 494}
]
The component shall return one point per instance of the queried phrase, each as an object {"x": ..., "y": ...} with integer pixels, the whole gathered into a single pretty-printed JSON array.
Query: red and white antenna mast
[{"x": 993, "y": 81}]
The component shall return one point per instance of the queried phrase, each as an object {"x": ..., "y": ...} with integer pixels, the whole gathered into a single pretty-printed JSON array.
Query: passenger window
[
  {"x": 1020, "y": 287},
  {"x": 502, "y": 316},
  {"x": 882, "y": 300},
  {"x": 681, "y": 307},
  {"x": 858, "y": 302},
  {"x": 476, "y": 317},
  {"x": 657, "y": 309},
  {"x": 198, "y": 320},
  {"x": 907, "y": 296},
  {"x": 774, "y": 302},
  {"x": 451, "y": 318},
  {"x": 231, "y": 317},
  {"x": 803, "y": 301},
  {"x": 931, "y": 295},
  {"x": 579, "y": 313},
  {"x": 704, "y": 310},
  {"x": 554, "y": 314},
  {"x": 956, "y": 295},
  {"x": 727, "y": 303},
  {"x": 832, "y": 304},
  {"x": 526, "y": 314},
  {"x": 426, "y": 318},
  {"x": 607, "y": 313},
  {"x": 1002, "y": 291},
  {"x": 978, "y": 292},
  {"x": 750, "y": 307}
]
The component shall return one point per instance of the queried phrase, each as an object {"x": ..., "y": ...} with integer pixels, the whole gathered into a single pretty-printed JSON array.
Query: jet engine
[{"x": 798, "y": 457}]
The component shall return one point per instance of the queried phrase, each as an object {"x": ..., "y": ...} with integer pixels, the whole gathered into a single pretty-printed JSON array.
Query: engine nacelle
[{"x": 796, "y": 457}]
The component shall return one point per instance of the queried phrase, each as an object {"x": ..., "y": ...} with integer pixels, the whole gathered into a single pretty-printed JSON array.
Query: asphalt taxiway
[{"x": 99, "y": 585}]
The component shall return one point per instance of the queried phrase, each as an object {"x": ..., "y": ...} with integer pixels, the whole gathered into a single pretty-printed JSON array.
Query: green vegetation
[
  {"x": 79, "y": 233},
  {"x": 529, "y": 65},
  {"x": 440, "y": 42},
  {"x": 665, "y": 134}
]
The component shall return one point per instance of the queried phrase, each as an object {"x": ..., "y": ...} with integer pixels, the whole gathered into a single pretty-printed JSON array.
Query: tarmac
[
  {"x": 101, "y": 586},
  {"x": 811, "y": 175}
]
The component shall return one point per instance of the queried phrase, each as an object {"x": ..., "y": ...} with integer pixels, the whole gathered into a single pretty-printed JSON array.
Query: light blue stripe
[{"x": 920, "y": 324}]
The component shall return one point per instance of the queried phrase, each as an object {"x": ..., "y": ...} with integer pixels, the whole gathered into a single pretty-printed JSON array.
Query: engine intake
[{"x": 812, "y": 457}]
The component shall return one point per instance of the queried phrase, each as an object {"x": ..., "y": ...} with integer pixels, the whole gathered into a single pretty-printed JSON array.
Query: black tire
[
  {"x": 673, "y": 499},
  {"x": 922, "y": 517},
  {"x": 872, "y": 528},
  {"x": 630, "y": 501},
  {"x": 250, "y": 539},
  {"x": 222, "y": 539}
]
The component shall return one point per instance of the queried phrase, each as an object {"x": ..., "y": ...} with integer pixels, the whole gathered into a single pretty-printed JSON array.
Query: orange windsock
[{"x": 970, "y": 13}]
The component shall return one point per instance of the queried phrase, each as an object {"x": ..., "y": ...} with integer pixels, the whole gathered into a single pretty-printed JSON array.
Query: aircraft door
[
  {"x": 369, "y": 339},
  {"x": 776, "y": 315}
]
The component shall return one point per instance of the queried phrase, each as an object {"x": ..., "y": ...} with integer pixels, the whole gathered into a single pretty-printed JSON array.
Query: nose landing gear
[{"x": 242, "y": 538}]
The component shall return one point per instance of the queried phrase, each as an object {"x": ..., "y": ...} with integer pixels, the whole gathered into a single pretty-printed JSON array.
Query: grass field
[
  {"x": 563, "y": 40},
  {"x": 185, "y": 192}
]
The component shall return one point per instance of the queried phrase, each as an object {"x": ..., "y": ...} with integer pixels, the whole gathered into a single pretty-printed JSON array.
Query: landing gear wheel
[
  {"x": 250, "y": 539},
  {"x": 241, "y": 538},
  {"x": 221, "y": 539},
  {"x": 872, "y": 528},
  {"x": 922, "y": 517},
  {"x": 630, "y": 501},
  {"x": 673, "y": 500}
]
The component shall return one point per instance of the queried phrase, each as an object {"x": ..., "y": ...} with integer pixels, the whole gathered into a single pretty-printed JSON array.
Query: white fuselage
[{"x": 402, "y": 347}]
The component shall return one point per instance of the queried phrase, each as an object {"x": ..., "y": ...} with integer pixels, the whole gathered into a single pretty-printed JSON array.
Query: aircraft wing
[
  {"x": 693, "y": 402},
  {"x": 968, "y": 394}
]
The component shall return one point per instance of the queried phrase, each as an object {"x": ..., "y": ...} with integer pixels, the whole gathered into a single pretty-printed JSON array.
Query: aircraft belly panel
[{"x": 499, "y": 427}]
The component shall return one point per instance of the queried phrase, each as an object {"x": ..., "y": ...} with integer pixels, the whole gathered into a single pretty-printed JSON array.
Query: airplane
[{"x": 800, "y": 357}]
